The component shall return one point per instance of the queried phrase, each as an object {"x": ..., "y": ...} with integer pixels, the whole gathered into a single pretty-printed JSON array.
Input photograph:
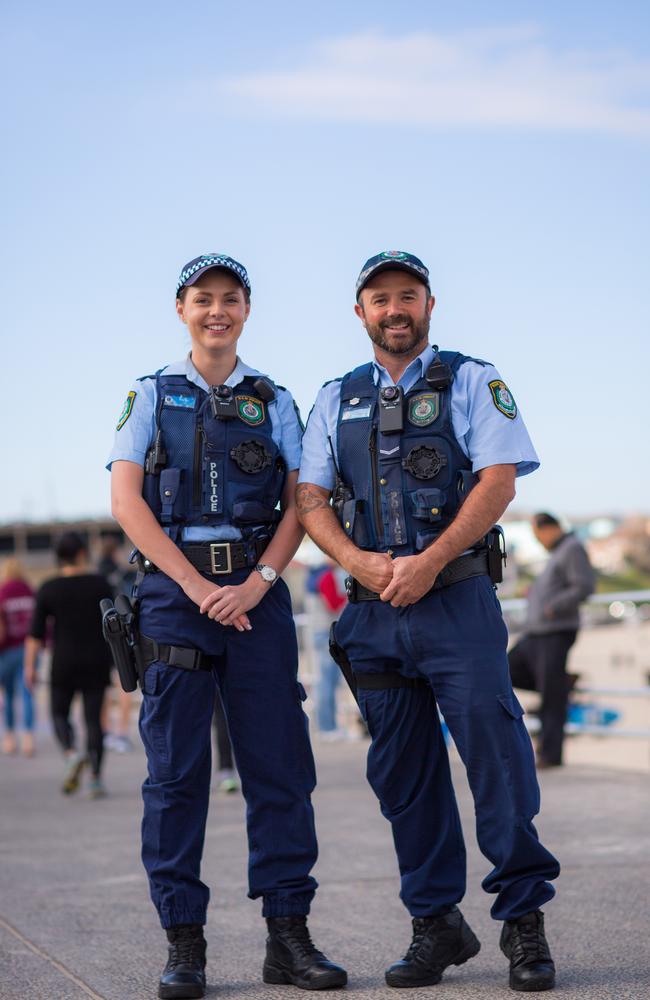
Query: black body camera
[
  {"x": 391, "y": 409},
  {"x": 222, "y": 401}
]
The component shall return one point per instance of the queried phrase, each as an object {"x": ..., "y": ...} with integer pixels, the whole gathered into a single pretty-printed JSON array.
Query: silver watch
[{"x": 267, "y": 573}]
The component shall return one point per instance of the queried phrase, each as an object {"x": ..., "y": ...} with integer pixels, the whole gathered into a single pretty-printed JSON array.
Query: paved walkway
[{"x": 76, "y": 921}]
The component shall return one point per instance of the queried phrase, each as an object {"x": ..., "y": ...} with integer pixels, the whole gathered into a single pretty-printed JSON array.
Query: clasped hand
[
  {"x": 228, "y": 605},
  {"x": 400, "y": 581}
]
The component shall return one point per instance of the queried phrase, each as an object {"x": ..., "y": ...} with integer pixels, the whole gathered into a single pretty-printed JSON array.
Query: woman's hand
[
  {"x": 203, "y": 592},
  {"x": 228, "y": 604}
]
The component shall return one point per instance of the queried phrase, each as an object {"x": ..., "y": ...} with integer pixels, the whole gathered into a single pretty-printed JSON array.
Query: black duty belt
[
  {"x": 214, "y": 558},
  {"x": 174, "y": 656},
  {"x": 466, "y": 566},
  {"x": 223, "y": 557}
]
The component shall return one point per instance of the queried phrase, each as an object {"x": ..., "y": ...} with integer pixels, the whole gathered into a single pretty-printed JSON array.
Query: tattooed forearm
[{"x": 310, "y": 498}]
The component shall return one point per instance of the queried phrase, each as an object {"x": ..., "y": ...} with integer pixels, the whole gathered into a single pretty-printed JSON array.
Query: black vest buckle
[
  {"x": 251, "y": 457},
  {"x": 424, "y": 462}
]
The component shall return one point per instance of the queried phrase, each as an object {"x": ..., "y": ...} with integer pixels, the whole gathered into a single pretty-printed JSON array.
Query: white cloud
[{"x": 510, "y": 78}]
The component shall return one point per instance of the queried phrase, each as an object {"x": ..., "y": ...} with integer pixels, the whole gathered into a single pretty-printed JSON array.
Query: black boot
[
  {"x": 292, "y": 958},
  {"x": 437, "y": 942},
  {"x": 184, "y": 974},
  {"x": 523, "y": 941}
]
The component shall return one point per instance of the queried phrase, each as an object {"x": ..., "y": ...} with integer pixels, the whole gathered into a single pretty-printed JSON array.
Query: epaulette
[{"x": 143, "y": 378}]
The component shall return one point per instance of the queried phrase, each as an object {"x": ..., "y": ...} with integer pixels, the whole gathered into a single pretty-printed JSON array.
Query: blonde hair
[{"x": 12, "y": 569}]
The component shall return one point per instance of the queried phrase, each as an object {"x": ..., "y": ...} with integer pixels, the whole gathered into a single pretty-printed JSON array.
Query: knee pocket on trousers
[
  {"x": 519, "y": 758},
  {"x": 511, "y": 705}
]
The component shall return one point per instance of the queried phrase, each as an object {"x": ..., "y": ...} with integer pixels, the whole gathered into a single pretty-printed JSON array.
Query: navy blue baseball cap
[
  {"x": 197, "y": 267},
  {"x": 392, "y": 260}
]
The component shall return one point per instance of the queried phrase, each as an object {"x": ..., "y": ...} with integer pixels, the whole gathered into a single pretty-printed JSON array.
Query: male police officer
[{"x": 423, "y": 448}]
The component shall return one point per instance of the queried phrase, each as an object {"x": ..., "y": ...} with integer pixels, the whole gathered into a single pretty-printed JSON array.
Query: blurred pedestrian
[
  {"x": 81, "y": 659},
  {"x": 324, "y": 599},
  {"x": 16, "y": 608},
  {"x": 538, "y": 661}
]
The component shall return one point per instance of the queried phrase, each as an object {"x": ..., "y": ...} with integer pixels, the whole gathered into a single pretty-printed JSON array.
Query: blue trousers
[
  {"x": 329, "y": 677},
  {"x": 11, "y": 680},
  {"x": 456, "y": 639},
  {"x": 257, "y": 676}
]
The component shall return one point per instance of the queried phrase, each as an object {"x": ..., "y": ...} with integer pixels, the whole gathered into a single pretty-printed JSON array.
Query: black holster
[
  {"x": 119, "y": 625},
  {"x": 338, "y": 655},
  {"x": 376, "y": 681}
]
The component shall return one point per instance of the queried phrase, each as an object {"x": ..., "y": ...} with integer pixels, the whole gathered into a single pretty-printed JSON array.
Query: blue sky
[{"x": 506, "y": 144}]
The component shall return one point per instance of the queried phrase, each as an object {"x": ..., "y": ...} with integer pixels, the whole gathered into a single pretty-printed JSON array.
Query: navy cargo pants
[
  {"x": 257, "y": 675},
  {"x": 456, "y": 639}
]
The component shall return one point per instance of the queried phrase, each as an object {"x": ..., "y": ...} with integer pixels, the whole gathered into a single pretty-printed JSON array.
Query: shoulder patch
[
  {"x": 503, "y": 399},
  {"x": 126, "y": 410}
]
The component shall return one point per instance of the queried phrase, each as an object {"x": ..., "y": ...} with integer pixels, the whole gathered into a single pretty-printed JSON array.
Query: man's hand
[
  {"x": 412, "y": 578},
  {"x": 229, "y": 604},
  {"x": 373, "y": 570},
  {"x": 199, "y": 590}
]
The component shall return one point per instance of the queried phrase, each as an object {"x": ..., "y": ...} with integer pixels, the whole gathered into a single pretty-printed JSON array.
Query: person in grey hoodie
[{"x": 538, "y": 660}]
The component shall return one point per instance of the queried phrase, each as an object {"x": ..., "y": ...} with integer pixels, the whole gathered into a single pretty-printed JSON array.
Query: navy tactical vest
[
  {"x": 208, "y": 471},
  {"x": 406, "y": 487}
]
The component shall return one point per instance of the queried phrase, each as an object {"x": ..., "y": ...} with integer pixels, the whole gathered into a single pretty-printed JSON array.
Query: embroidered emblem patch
[
  {"x": 250, "y": 410},
  {"x": 179, "y": 401},
  {"x": 502, "y": 398},
  {"x": 126, "y": 410},
  {"x": 424, "y": 409}
]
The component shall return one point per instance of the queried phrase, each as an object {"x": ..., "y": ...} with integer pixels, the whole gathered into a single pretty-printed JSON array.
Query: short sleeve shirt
[
  {"x": 136, "y": 428},
  {"x": 481, "y": 415}
]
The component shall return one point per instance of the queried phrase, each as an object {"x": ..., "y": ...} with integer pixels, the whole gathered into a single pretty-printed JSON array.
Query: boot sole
[
  {"x": 397, "y": 982},
  {"x": 181, "y": 992},
  {"x": 274, "y": 976},
  {"x": 533, "y": 985}
]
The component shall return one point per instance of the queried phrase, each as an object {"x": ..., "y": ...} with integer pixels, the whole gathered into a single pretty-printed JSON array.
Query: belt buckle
[{"x": 214, "y": 556}]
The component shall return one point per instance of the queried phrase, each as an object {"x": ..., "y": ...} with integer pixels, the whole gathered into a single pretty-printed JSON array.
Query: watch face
[{"x": 268, "y": 573}]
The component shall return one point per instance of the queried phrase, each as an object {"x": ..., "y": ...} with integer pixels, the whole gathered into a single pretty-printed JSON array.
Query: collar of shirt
[
  {"x": 186, "y": 368},
  {"x": 410, "y": 376}
]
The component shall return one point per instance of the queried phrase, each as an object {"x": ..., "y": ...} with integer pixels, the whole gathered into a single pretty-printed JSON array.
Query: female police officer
[{"x": 205, "y": 451}]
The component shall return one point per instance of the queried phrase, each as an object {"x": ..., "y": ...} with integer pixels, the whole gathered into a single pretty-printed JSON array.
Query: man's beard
[{"x": 418, "y": 333}]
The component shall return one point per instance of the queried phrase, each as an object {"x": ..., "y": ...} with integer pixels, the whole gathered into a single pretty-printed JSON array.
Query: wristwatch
[{"x": 267, "y": 573}]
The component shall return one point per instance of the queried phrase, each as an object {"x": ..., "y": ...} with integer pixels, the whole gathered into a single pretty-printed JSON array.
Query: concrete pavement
[{"x": 76, "y": 921}]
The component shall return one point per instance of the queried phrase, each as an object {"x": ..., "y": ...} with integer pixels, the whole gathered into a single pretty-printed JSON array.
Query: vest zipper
[
  {"x": 376, "y": 499},
  {"x": 198, "y": 467}
]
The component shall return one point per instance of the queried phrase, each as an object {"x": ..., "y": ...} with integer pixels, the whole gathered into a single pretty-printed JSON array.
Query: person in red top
[
  {"x": 16, "y": 607},
  {"x": 324, "y": 600}
]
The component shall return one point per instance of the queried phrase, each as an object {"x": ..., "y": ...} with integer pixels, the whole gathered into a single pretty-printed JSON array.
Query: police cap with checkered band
[
  {"x": 392, "y": 260},
  {"x": 198, "y": 267}
]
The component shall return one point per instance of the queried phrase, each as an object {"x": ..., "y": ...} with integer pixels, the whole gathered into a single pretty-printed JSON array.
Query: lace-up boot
[
  {"x": 292, "y": 958},
  {"x": 437, "y": 943},
  {"x": 184, "y": 975},
  {"x": 523, "y": 941}
]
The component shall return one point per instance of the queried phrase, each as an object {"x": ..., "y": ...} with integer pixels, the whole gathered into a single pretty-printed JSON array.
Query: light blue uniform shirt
[
  {"x": 137, "y": 433},
  {"x": 485, "y": 434}
]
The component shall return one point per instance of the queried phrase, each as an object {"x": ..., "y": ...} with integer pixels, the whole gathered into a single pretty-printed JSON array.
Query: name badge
[
  {"x": 178, "y": 401},
  {"x": 356, "y": 413}
]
